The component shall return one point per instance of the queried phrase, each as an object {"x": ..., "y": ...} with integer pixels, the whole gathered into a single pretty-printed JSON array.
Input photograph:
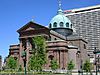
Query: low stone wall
[{"x": 22, "y": 73}]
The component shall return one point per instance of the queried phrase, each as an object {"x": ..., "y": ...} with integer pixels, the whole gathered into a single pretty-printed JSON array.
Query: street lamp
[
  {"x": 81, "y": 67},
  {"x": 24, "y": 60},
  {"x": 80, "y": 71},
  {"x": 96, "y": 52}
]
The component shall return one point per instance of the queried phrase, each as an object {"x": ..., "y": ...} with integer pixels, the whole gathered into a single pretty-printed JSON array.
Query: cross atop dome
[
  {"x": 59, "y": 6},
  {"x": 59, "y": 1}
]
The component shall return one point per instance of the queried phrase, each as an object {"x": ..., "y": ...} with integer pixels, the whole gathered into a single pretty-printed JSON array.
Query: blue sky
[{"x": 16, "y": 13}]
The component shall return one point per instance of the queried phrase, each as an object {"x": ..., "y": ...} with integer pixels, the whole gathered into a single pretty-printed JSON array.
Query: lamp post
[
  {"x": 96, "y": 52},
  {"x": 80, "y": 72},
  {"x": 81, "y": 67},
  {"x": 24, "y": 60}
]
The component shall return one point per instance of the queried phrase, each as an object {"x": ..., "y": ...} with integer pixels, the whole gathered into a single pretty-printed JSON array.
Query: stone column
[
  {"x": 20, "y": 53},
  {"x": 48, "y": 61},
  {"x": 61, "y": 59},
  {"x": 27, "y": 51},
  {"x": 58, "y": 57},
  {"x": 65, "y": 58}
]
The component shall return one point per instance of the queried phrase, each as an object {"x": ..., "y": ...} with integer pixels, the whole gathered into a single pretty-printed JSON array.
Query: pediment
[{"x": 30, "y": 26}]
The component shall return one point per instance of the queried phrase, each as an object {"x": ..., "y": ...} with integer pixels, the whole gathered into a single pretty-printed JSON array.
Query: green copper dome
[
  {"x": 60, "y": 21},
  {"x": 61, "y": 24}
]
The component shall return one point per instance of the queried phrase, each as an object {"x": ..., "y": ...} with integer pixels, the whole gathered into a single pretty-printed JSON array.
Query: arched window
[
  {"x": 61, "y": 24},
  {"x": 67, "y": 24},
  {"x": 55, "y": 24},
  {"x": 50, "y": 25},
  {"x": 71, "y": 25}
]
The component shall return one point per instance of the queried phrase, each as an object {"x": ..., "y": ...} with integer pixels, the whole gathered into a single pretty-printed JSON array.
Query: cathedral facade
[{"x": 62, "y": 43}]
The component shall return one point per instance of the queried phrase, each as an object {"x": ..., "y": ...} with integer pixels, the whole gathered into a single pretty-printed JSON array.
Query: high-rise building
[{"x": 86, "y": 22}]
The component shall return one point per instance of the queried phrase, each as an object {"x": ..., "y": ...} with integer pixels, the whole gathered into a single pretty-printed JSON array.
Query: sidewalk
[{"x": 85, "y": 74}]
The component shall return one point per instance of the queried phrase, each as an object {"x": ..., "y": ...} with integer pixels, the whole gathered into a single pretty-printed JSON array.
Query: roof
[
  {"x": 76, "y": 37},
  {"x": 31, "y": 24},
  {"x": 82, "y": 10}
]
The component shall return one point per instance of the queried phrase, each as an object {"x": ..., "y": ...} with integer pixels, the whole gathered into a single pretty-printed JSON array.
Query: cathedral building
[{"x": 62, "y": 43}]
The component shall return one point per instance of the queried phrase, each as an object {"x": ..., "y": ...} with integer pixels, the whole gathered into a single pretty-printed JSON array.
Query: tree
[
  {"x": 11, "y": 63},
  {"x": 35, "y": 63},
  {"x": 87, "y": 66},
  {"x": 71, "y": 66},
  {"x": 38, "y": 58},
  {"x": 54, "y": 64}
]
